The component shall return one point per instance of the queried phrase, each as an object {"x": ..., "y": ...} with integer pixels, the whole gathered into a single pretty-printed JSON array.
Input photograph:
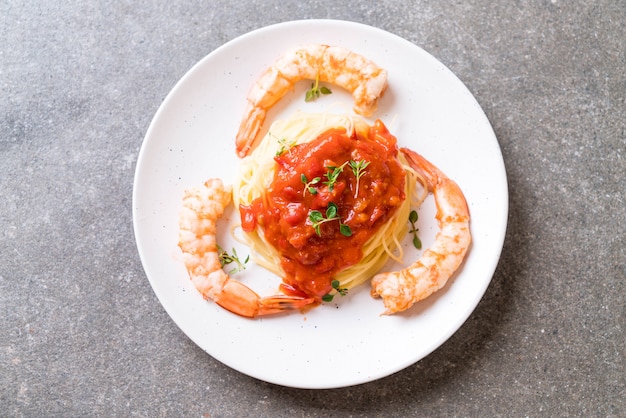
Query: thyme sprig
[
  {"x": 315, "y": 90},
  {"x": 317, "y": 218},
  {"x": 340, "y": 290},
  {"x": 284, "y": 143},
  {"x": 308, "y": 185},
  {"x": 413, "y": 219},
  {"x": 332, "y": 175},
  {"x": 358, "y": 168},
  {"x": 226, "y": 258}
]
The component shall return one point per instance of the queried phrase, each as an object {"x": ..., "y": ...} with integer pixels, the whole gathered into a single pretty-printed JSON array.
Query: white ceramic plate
[{"x": 345, "y": 342}]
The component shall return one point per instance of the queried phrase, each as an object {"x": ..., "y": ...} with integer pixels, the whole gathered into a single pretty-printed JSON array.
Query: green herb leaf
[
  {"x": 345, "y": 230},
  {"x": 358, "y": 168},
  {"x": 332, "y": 214},
  {"x": 308, "y": 185},
  {"x": 284, "y": 144},
  {"x": 226, "y": 258},
  {"x": 331, "y": 211},
  {"x": 341, "y": 290},
  {"x": 417, "y": 243},
  {"x": 316, "y": 216},
  {"x": 310, "y": 94},
  {"x": 332, "y": 175},
  {"x": 336, "y": 285},
  {"x": 315, "y": 90}
]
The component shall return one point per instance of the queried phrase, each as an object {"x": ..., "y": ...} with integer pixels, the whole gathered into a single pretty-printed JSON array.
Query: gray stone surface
[{"x": 82, "y": 333}]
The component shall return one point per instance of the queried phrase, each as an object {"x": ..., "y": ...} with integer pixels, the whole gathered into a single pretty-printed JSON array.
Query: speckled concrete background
[{"x": 82, "y": 333}]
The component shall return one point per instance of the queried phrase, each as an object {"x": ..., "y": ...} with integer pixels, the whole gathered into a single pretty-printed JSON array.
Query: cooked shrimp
[
  {"x": 202, "y": 207},
  {"x": 332, "y": 64},
  {"x": 401, "y": 289}
]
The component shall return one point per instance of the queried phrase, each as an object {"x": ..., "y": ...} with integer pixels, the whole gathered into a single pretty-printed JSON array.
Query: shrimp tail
[
  {"x": 238, "y": 298},
  {"x": 202, "y": 207},
  {"x": 363, "y": 78},
  {"x": 246, "y": 136},
  {"x": 279, "y": 303}
]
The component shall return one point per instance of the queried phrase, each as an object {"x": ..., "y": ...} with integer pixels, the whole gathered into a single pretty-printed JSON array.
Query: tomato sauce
[{"x": 310, "y": 257}]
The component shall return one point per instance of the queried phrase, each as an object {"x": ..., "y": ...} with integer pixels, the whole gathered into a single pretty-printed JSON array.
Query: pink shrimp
[
  {"x": 202, "y": 207},
  {"x": 364, "y": 79},
  {"x": 401, "y": 289}
]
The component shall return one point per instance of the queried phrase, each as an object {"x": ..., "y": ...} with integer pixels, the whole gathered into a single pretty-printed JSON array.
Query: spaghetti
[{"x": 289, "y": 176}]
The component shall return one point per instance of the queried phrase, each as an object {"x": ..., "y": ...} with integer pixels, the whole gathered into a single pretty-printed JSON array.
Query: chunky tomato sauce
[{"x": 310, "y": 257}]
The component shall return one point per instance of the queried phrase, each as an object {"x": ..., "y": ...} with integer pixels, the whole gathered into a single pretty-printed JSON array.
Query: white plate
[{"x": 346, "y": 342}]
